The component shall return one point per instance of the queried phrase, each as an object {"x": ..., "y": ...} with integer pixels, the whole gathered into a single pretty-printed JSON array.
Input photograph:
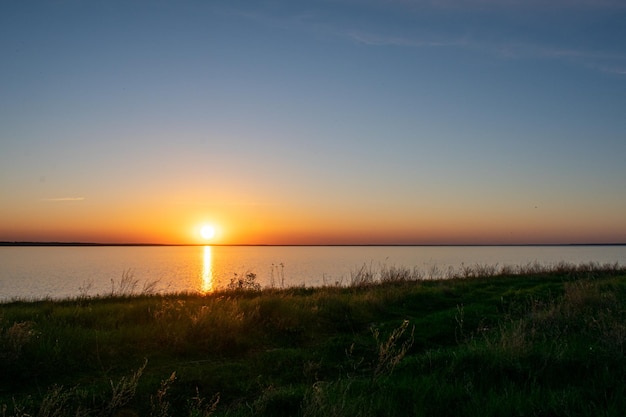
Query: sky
[{"x": 313, "y": 122}]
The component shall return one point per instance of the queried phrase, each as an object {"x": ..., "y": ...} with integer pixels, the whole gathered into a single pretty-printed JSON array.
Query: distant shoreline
[{"x": 87, "y": 244}]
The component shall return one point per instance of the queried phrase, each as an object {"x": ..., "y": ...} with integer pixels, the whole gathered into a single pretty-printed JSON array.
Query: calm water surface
[{"x": 59, "y": 272}]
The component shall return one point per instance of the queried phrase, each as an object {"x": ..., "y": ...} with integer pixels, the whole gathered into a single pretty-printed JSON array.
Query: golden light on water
[{"x": 207, "y": 270}]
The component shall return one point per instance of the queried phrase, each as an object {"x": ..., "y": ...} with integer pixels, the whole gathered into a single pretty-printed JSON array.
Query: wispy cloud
[
  {"x": 382, "y": 40},
  {"x": 610, "y": 69},
  {"x": 60, "y": 199},
  {"x": 518, "y": 4},
  {"x": 607, "y": 62}
]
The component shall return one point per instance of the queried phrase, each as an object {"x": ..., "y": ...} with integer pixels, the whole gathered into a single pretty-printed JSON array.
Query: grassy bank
[{"x": 538, "y": 342}]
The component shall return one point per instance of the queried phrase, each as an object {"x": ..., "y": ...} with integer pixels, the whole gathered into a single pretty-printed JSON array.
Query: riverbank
[{"x": 544, "y": 342}]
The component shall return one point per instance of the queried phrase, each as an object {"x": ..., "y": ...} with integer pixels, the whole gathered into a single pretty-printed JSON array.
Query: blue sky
[{"x": 454, "y": 121}]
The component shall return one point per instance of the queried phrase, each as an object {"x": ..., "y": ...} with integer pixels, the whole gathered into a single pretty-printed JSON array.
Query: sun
[{"x": 207, "y": 232}]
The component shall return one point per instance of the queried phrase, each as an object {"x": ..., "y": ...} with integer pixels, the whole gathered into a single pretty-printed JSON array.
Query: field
[{"x": 512, "y": 342}]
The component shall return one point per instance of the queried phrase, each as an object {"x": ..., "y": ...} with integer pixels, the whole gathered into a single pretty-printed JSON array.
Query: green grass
[{"x": 528, "y": 341}]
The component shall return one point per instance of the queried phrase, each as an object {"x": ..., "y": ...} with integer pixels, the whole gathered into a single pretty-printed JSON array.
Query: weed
[
  {"x": 328, "y": 399},
  {"x": 159, "y": 403},
  {"x": 363, "y": 276},
  {"x": 126, "y": 284},
  {"x": 434, "y": 272},
  {"x": 85, "y": 289},
  {"x": 277, "y": 272},
  {"x": 392, "y": 350},
  {"x": 459, "y": 331},
  {"x": 59, "y": 402},
  {"x": 123, "y": 392},
  {"x": 246, "y": 282},
  {"x": 199, "y": 407},
  {"x": 14, "y": 339},
  {"x": 400, "y": 274}
]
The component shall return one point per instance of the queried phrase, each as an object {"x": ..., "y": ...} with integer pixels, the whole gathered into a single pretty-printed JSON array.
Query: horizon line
[{"x": 55, "y": 243}]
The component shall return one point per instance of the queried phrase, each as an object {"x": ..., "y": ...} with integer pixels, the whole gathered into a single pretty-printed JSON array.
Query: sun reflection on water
[{"x": 207, "y": 270}]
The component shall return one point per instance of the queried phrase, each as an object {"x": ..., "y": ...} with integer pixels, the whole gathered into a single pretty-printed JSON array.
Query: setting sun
[{"x": 207, "y": 232}]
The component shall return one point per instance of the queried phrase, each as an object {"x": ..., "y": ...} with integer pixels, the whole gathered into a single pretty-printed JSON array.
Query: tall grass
[
  {"x": 127, "y": 285},
  {"x": 367, "y": 274},
  {"x": 549, "y": 341}
]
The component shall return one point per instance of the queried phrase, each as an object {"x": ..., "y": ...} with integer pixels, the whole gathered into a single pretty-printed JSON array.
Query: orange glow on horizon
[{"x": 87, "y": 221}]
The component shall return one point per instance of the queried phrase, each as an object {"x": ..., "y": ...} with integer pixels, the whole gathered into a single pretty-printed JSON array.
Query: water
[{"x": 60, "y": 272}]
